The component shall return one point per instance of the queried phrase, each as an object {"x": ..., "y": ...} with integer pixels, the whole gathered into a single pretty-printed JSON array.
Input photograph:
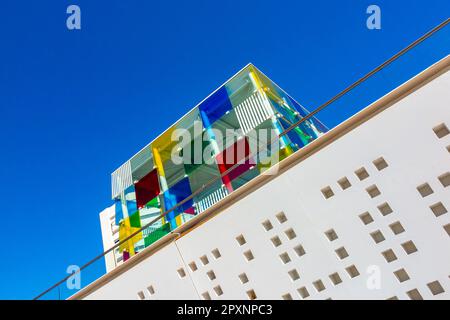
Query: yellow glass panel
[
  {"x": 126, "y": 230},
  {"x": 164, "y": 144},
  {"x": 178, "y": 220},
  {"x": 275, "y": 158}
]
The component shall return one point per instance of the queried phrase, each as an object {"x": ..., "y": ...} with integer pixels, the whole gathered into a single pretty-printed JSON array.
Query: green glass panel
[
  {"x": 135, "y": 220},
  {"x": 157, "y": 234},
  {"x": 154, "y": 203},
  {"x": 195, "y": 155}
]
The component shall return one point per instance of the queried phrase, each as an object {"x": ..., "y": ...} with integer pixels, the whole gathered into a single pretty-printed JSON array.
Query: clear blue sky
[{"x": 77, "y": 104}]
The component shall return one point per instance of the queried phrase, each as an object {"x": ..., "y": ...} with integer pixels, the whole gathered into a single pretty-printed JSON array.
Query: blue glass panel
[
  {"x": 315, "y": 125},
  {"x": 170, "y": 200},
  {"x": 298, "y": 107},
  {"x": 177, "y": 193},
  {"x": 215, "y": 106},
  {"x": 119, "y": 211},
  {"x": 130, "y": 200}
]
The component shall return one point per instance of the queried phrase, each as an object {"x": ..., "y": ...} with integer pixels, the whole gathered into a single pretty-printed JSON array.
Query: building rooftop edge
[{"x": 386, "y": 101}]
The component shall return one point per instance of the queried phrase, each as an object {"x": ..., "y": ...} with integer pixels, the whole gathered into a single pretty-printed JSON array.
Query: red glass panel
[
  {"x": 147, "y": 189},
  {"x": 231, "y": 156}
]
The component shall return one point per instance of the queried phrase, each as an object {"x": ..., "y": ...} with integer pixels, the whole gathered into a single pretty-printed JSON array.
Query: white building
[
  {"x": 110, "y": 236},
  {"x": 359, "y": 213}
]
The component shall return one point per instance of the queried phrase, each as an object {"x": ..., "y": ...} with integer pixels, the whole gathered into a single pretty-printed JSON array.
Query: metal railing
[{"x": 285, "y": 132}]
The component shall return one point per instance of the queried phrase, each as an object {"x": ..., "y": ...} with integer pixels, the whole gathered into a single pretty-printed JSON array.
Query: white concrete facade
[
  {"x": 110, "y": 236},
  {"x": 366, "y": 217}
]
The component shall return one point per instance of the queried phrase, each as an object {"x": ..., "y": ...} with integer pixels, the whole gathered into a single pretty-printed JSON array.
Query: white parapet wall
[{"x": 363, "y": 217}]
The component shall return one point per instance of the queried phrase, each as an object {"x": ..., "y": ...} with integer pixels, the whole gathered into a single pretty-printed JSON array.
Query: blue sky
[{"x": 77, "y": 104}]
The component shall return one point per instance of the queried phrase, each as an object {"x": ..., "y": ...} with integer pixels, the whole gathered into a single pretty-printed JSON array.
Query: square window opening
[
  {"x": 352, "y": 271},
  {"x": 151, "y": 290},
  {"x": 331, "y": 235},
  {"x": 206, "y": 296},
  {"x": 397, "y": 228},
  {"x": 385, "y": 209},
  {"x": 389, "y": 255},
  {"x": 401, "y": 275},
  {"x": 290, "y": 234},
  {"x": 373, "y": 191},
  {"x": 362, "y": 173},
  {"x": 344, "y": 183},
  {"x": 318, "y": 284},
  {"x": 366, "y": 218},
  {"x": 335, "y": 278},
  {"x": 251, "y": 294},
  {"x": 276, "y": 241},
  {"x": 380, "y": 164},
  {"x": 281, "y": 217},
  {"x": 241, "y": 240},
  {"x": 249, "y": 255},
  {"x": 267, "y": 225},
  {"x": 181, "y": 273},
  {"x": 438, "y": 209},
  {"x": 218, "y": 290},
  {"x": 243, "y": 278},
  {"x": 327, "y": 192},
  {"x": 211, "y": 275},
  {"x": 425, "y": 190},
  {"x": 284, "y": 257},
  {"x": 414, "y": 294},
  {"x": 293, "y": 274},
  {"x": 441, "y": 130},
  {"x": 377, "y": 236},
  {"x": 445, "y": 179},
  {"x": 299, "y": 250},
  {"x": 409, "y": 247},
  {"x": 303, "y": 292},
  {"x": 193, "y": 266},
  {"x": 435, "y": 288},
  {"x": 204, "y": 259},
  {"x": 341, "y": 253},
  {"x": 286, "y": 296},
  {"x": 216, "y": 253}
]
